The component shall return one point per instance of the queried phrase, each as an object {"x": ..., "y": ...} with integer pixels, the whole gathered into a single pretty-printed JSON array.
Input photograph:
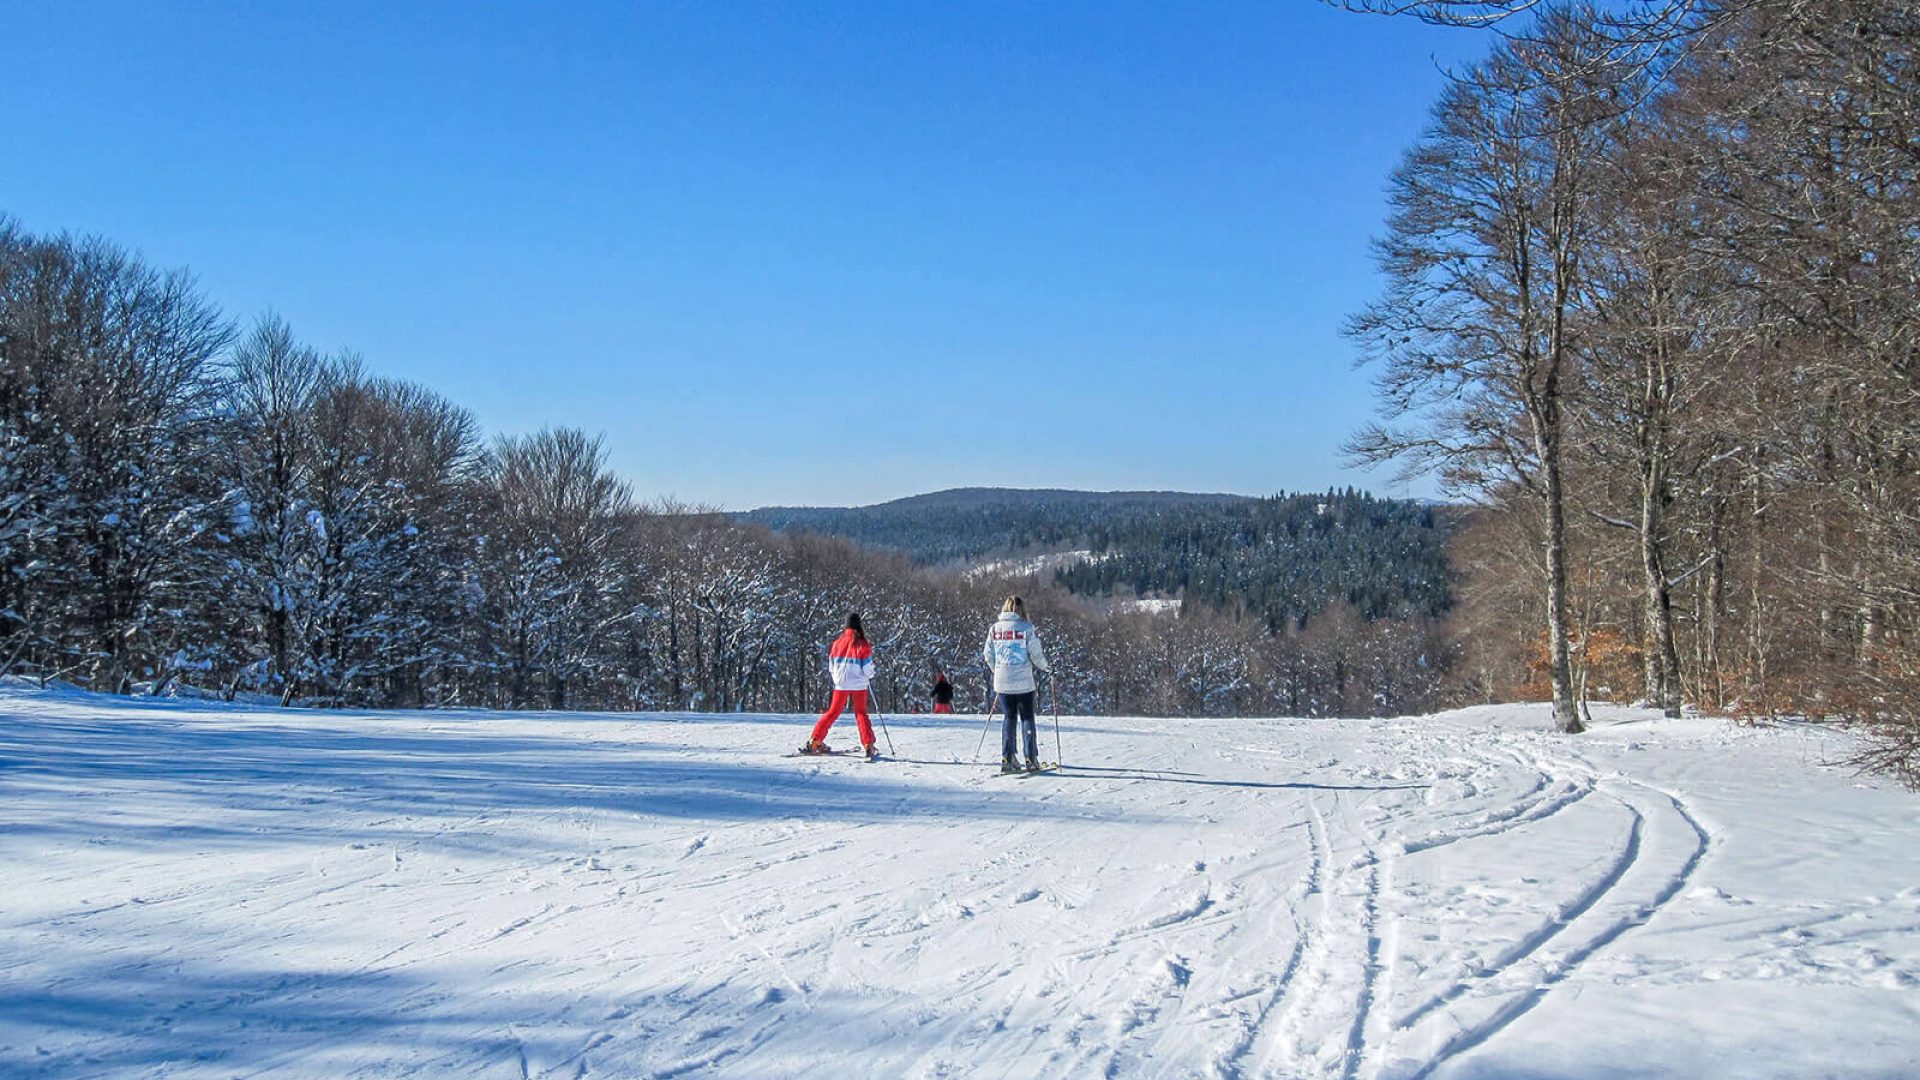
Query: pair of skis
[
  {"x": 837, "y": 753},
  {"x": 1045, "y": 766}
]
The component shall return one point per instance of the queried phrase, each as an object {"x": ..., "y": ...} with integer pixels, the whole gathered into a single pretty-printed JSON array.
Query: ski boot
[
  {"x": 872, "y": 752},
  {"x": 1008, "y": 765},
  {"x": 1033, "y": 764},
  {"x": 813, "y": 747}
]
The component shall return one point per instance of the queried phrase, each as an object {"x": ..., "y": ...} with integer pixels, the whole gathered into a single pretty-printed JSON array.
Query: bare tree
[
  {"x": 1632, "y": 28},
  {"x": 1807, "y": 116},
  {"x": 1664, "y": 329},
  {"x": 1486, "y": 265}
]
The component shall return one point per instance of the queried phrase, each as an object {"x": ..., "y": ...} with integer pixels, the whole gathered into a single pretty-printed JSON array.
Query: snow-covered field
[
  {"x": 1043, "y": 563},
  {"x": 197, "y": 890},
  {"x": 1152, "y": 605}
]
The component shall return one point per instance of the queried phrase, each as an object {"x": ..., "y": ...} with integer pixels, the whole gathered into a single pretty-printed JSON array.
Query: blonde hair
[{"x": 1015, "y": 605}]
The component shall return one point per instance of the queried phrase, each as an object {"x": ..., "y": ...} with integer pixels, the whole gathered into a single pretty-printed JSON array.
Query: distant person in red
[
  {"x": 850, "y": 663},
  {"x": 942, "y": 692}
]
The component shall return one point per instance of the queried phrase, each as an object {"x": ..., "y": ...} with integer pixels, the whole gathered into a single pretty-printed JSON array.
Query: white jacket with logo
[{"x": 1013, "y": 652}]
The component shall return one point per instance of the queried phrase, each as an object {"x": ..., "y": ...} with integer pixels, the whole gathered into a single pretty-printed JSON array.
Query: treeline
[
  {"x": 1653, "y": 285},
  {"x": 1282, "y": 559},
  {"x": 188, "y": 505}
]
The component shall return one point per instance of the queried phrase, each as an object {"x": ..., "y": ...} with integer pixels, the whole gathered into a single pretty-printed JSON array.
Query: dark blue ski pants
[{"x": 1019, "y": 707}]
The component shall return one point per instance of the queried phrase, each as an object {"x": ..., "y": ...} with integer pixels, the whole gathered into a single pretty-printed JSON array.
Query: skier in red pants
[{"x": 850, "y": 663}]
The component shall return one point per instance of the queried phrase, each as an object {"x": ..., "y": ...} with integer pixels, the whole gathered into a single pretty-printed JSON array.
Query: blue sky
[{"x": 806, "y": 253}]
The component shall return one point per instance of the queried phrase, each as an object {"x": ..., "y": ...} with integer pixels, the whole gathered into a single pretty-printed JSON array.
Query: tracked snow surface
[{"x": 199, "y": 890}]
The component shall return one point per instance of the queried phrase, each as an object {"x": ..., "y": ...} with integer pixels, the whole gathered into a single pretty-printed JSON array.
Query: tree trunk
[
  {"x": 1662, "y": 662},
  {"x": 277, "y": 636},
  {"x": 1712, "y": 600},
  {"x": 676, "y": 690},
  {"x": 1566, "y": 710},
  {"x": 1757, "y": 613}
]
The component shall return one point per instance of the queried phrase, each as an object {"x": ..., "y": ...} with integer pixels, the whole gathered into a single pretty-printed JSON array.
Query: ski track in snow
[{"x": 200, "y": 891}]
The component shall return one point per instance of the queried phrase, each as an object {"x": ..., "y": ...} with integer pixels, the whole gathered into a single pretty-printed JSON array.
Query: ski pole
[
  {"x": 877, "y": 715},
  {"x": 985, "y": 722},
  {"x": 1053, "y": 691}
]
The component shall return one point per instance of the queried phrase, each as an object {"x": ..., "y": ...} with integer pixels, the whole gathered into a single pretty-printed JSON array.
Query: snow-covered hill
[{"x": 194, "y": 890}]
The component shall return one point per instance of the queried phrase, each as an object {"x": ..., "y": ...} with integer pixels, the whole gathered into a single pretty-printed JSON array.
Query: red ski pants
[{"x": 841, "y": 699}]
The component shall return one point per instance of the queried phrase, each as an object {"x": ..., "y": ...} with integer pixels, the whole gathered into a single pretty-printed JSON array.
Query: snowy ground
[{"x": 193, "y": 890}]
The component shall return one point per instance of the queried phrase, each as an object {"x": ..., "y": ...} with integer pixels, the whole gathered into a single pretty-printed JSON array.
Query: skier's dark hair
[{"x": 853, "y": 624}]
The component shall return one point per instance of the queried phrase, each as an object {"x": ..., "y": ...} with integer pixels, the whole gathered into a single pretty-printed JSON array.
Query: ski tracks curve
[
  {"x": 1664, "y": 846},
  {"x": 1329, "y": 1010}
]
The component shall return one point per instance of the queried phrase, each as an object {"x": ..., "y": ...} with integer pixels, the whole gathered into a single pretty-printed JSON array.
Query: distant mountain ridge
[
  {"x": 974, "y": 497},
  {"x": 973, "y": 522}
]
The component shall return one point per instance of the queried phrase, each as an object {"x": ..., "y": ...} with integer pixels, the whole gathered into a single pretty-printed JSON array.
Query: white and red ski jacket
[{"x": 850, "y": 662}]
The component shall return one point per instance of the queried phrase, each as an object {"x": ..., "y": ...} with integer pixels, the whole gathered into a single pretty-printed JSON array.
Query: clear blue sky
[{"x": 808, "y": 253}]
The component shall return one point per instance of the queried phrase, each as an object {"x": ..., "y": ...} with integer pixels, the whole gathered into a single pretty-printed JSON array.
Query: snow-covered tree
[
  {"x": 269, "y": 458},
  {"x": 551, "y": 563},
  {"x": 104, "y": 414}
]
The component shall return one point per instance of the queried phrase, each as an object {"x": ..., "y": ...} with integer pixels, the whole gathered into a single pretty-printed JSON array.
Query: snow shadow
[
  {"x": 144, "y": 1018},
  {"x": 155, "y": 1015},
  {"x": 204, "y": 781}
]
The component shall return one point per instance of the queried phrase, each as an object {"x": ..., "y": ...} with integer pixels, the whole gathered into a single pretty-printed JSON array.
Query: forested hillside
[
  {"x": 1282, "y": 558},
  {"x": 970, "y": 523}
]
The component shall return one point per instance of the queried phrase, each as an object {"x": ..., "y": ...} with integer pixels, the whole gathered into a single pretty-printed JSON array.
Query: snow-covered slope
[
  {"x": 1031, "y": 564},
  {"x": 192, "y": 890}
]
